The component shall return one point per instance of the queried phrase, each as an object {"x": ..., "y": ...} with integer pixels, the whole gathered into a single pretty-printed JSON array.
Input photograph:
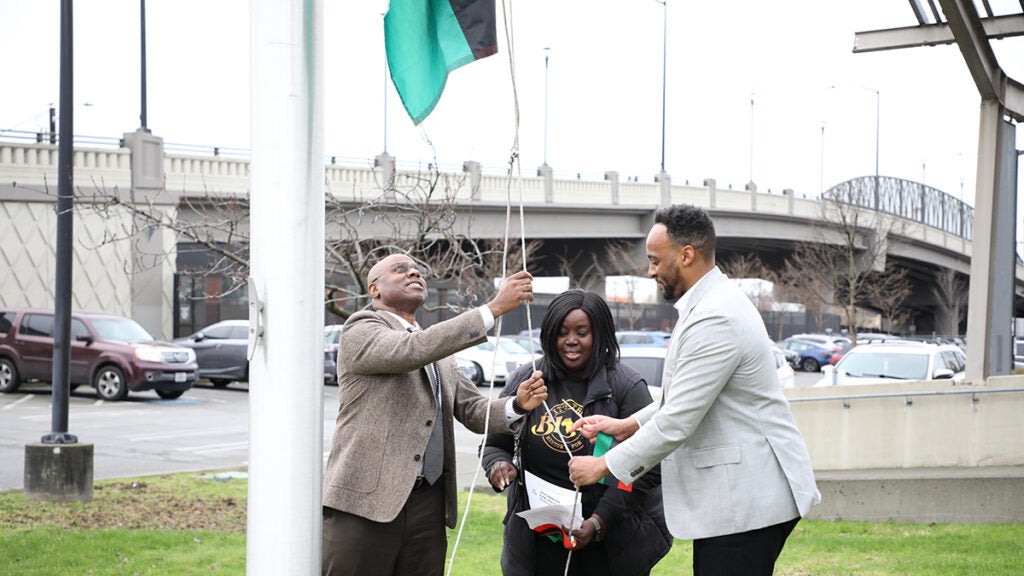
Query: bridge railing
[
  {"x": 198, "y": 173},
  {"x": 910, "y": 200}
]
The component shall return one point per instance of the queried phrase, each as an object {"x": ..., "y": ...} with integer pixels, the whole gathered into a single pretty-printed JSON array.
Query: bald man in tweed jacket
[{"x": 381, "y": 515}]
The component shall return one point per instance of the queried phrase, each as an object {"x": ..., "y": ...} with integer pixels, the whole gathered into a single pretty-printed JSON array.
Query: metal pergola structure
[{"x": 989, "y": 329}]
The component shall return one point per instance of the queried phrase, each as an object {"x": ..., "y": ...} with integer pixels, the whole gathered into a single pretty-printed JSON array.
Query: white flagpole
[{"x": 287, "y": 269}]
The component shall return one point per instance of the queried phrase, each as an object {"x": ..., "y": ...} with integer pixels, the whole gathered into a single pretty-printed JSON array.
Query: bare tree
[
  {"x": 620, "y": 259},
  {"x": 888, "y": 292},
  {"x": 751, "y": 267},
  {"x": 950, "y": 293},
  {"x": 415, "y": 215},
  {"x": 851, "y": 242},
  {"x": 808, "y": 276}
]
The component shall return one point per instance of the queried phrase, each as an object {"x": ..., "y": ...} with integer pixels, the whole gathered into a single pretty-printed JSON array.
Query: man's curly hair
[{"x": 689, "y": 225}]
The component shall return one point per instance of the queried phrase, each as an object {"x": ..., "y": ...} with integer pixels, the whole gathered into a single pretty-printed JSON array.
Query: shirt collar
[
  {"x": 405, "y": 323},
  {"x": 684, "y": 300}
]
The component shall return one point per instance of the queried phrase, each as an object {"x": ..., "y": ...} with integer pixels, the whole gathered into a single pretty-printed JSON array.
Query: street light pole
[
  {"x": 751, "y": 138},
  {"x": 664, "y": 68},
  {"x": 878, "y": 120},
  {"x": 547, "y": 54},
  {"x": 821, "y": 168},
  {"x": 878, "y": 117}
]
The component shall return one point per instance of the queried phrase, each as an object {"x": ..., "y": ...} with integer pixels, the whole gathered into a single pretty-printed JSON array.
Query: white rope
[{"x": 514, "y": 168}]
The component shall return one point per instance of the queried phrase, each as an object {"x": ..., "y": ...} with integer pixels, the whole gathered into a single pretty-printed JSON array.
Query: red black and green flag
[
  {"x": 427, "y": 39},
  {"x": 603, "y": 444}
]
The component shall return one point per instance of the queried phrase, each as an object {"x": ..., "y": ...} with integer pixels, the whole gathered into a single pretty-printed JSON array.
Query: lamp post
[
  {"x": 547, "y": 54},
  {"x": 664, "y": 68},
  {"x": 821, "y": 167},
  {"x": 878, "y": 108},
  {"x": 751, "y": 138}
]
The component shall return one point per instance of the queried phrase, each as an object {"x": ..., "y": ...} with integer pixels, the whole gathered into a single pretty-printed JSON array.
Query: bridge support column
[
  {"x": 712, "y": 188},
  {"x": 386, "y": 163},
  {"x": 472, "y": 167},
  {"x": 153, "y": 260},
  {"x": 990, "y": 303},
  {"x": 613, "y": 179},
  {"x": 547, "y": 174},
  {"x": 666, "y": 187}
]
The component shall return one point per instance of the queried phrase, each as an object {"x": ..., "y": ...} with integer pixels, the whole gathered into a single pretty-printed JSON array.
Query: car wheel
[
  {"x": 110, "y": 384},
  {"x": 169, "y": 395},
  {"x": 810, "y": 365},
  {"x": 9, "y": 379},
  {"x": 219, "y": 383}
]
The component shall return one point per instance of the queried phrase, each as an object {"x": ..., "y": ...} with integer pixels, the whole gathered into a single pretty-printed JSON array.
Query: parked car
[
  {"x": 510, "y": 356},
  {"x": 471, "y": 369},
  {"x": 829, "y": 339},
  {"x": 332, "y": 343},
  {"x": 631, "y": 338},
  {"x": 784, "y": 370},
  {"x": 111, "y": 353},
  {"x": 886, "y": 362},
  {"x": 650, "y": 363},
  {"x": 221, "y": 351},
  {"x": 869, "y": 338},
  {"x": 812, "y": 354},
  {"x": 792, "y": 356},
  {"x": 531, "y": 344}
]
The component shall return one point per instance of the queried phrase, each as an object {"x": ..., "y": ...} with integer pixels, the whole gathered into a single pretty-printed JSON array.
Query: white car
[
  {"x": 650, "y": 363},
  {"x": 511, "y": 355},
  {"x": 887, "y": 362}
]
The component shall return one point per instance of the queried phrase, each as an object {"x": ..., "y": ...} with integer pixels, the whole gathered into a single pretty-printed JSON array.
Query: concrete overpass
[
  {"x": 922, "y": 452},
  {"x": 569, "y": 215}
]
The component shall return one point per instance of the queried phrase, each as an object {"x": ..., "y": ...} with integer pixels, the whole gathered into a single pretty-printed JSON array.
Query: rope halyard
[{"x": 514, "y": 167}]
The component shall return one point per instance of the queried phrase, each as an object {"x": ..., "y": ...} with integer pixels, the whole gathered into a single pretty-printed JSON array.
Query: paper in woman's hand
[{"x": 551, "y": 507}]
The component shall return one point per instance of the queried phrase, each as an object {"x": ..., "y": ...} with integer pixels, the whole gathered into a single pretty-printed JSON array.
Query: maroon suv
[{"x": 113, "y": 354}]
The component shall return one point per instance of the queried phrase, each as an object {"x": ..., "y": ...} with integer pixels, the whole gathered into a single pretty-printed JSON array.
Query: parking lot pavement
[{"x": 206, "y": 429}]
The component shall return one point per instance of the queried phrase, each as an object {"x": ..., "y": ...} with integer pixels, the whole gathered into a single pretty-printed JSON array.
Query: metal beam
[
  {"x": 919, "y": 12},
  {"x": 933, "y": 34},
  {"x": 977, "y": 52}
]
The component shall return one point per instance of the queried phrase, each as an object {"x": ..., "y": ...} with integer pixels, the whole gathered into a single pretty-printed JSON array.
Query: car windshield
[
  {"x": 877, "y": 364},
  {"x": 121, "y": 330},
  {"x": 332, "y": 337},
  {"x": 649, "y": 368}
]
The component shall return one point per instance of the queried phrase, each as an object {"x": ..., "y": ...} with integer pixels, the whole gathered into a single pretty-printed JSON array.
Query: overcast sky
[{"x": 604, "y": 82}]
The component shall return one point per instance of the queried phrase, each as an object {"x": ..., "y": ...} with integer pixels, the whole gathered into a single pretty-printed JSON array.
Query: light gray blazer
[
  {"x": 732, "y": 459},
  {"x": 386, "y": 401}
]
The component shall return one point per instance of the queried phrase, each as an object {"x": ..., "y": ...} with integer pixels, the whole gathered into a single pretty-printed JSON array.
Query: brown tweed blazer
[{"x": 385, "y": 403}]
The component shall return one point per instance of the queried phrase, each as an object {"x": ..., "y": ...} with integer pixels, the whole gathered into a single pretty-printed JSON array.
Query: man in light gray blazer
[
  {"x": 735, "y": 470},
  {"x": 389, "y": 488}
]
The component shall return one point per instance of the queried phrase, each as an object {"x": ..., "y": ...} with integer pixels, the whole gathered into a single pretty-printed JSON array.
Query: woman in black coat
[{"x": 624, "y": 530}]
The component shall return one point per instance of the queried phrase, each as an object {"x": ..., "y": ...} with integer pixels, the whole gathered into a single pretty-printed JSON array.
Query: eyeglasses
[{"x": 402, "y": 268}]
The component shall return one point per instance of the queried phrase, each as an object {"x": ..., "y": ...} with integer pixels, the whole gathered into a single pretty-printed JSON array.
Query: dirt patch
[{"x": 166, "y": 502}]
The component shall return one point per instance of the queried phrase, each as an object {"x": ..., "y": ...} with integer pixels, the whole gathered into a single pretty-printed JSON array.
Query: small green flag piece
[
  {"x": 603, "y": 444},
  {"x": 427, "y": 39}
]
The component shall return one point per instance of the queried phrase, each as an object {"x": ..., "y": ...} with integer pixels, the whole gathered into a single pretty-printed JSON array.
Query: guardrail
[{"x": 906, "y": 395}]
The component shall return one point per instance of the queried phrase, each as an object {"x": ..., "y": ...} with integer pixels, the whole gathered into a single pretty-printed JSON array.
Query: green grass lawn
[{"x": 183, "y": 524}]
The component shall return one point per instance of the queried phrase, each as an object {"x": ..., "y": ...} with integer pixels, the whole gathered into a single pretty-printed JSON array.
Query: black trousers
[
  {"x": 414, "y": 544},
  {"x": 750, "y": 553}
]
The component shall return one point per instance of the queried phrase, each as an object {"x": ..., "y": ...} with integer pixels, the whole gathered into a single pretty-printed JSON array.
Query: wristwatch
[{"x": 599, "y": 534}]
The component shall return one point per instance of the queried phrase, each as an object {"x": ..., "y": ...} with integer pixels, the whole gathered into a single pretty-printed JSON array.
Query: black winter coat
[{"x": 636, "y": 536}]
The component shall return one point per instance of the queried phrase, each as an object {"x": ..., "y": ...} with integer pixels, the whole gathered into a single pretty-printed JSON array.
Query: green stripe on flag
[{"x": 425, "y": 40}]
